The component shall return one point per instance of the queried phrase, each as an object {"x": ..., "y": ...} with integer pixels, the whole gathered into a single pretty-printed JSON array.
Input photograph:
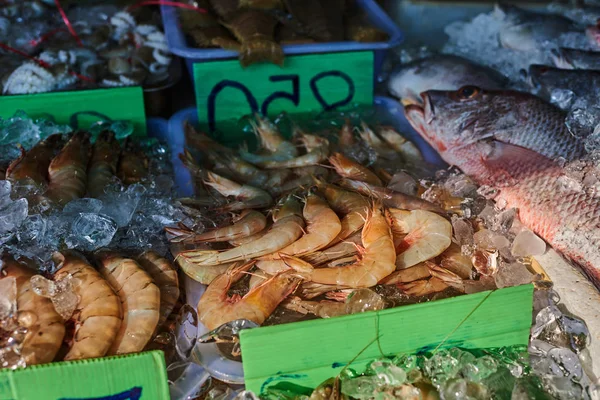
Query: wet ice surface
[{"x": 129, "y": 217}]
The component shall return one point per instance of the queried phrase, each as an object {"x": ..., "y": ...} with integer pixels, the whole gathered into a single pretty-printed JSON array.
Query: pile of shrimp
[
  {"x": 111, "y": 305},
  {"x": 312, "y": 229},
  {"x": 62, "y": 172}
]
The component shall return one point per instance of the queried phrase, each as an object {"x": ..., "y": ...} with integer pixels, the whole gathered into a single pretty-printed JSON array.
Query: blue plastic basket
[
  {"x": 178, "y": 43},
  {"x": 389, "y": 111}
]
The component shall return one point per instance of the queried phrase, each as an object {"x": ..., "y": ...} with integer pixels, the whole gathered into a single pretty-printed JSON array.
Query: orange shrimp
[
  {"x": 286, "y": 230},
  {"x": 347, "y": 168},
  {"x": 411, "y": 274},
  {"x": 391, "y": 198},
  {"x": 98, "y": 314},
  {"x": 353, "y": 206},
  {"x": 34, "y": 164},
  {"x": 347, "y": 248},
  {"x": 103, "y": 164},
  {"x": 165, "y": 277},
  {"x": 67, "y": 172},
  {"x": 377, "y": 261},
  {"x": 317, "y": 150},
  {"x": 427, "y": 235},
  {"x": 204, "y": 274},
  {"x": 45, "y": 327},
  {"x": 246, "y": 224},
  {"x": 246, "y": 196},
  {"x": 216, "y": 309},
  {"x": 133, "y": 164},
  {"x": 140, "y": 301}
]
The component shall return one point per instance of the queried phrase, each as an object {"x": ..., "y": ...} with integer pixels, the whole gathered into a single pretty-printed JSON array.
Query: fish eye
[{"x": 468, "y": 92}]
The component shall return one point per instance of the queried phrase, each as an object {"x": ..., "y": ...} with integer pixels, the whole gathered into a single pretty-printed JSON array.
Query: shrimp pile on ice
[
  {"x": 321, "y": 232},
  {"x": 86, "y": 311}
]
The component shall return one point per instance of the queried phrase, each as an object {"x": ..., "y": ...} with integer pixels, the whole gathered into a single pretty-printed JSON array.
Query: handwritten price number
[{"x": 293, "y": 96}]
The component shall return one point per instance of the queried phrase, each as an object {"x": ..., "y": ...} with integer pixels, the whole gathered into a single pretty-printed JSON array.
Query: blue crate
[
  {"x": 178, "y": 43},
  {"x": 389, "y": 111}
]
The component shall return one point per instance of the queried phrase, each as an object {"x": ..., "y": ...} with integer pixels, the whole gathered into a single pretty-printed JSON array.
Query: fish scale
[{"x": 566, "y": 217}]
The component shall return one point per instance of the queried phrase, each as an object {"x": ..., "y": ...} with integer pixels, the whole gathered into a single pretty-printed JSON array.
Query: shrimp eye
[{"x": 468, "y": 92}]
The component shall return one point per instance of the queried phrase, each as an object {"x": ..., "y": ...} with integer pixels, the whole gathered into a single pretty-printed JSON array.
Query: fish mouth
[{"x": 428, "y": 108}]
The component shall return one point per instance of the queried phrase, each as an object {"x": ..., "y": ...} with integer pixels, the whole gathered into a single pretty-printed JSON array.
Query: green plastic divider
[
  {"x": 141, "y": 376},
  {"x": 83, "y": 107},
  {"x": 309, "y": 83},
  {"x": 309, "y": 352}
]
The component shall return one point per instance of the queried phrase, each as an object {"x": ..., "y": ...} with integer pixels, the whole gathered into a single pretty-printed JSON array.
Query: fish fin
[{"x": 507, "y": 163}]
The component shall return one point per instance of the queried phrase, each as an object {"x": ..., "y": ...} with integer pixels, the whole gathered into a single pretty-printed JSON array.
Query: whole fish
[
  {"x": 575, "y": 59},
  {"x": 549, "y": 201},
  {"x": 583, "y": 83},
  {"x": 440, "y": 72},
  {"x": 526, "y": 30},
  {"x": 517, "y": 118}
]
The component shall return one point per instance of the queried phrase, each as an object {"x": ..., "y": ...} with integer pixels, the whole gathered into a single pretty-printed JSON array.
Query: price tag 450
[{"x": 225, "y": 91}]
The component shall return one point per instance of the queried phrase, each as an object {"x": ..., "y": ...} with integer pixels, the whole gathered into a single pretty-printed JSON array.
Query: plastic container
[{"x": 178, "y": 44}]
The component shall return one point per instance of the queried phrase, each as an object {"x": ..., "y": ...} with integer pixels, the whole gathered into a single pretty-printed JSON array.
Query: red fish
[{"x": 550, "y": 201}]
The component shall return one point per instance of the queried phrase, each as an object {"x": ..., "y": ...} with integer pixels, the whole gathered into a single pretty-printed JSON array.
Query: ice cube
[
  {"x": 545, "y": 318},
  {"x": 8, "y": 297},
  {"x": 13, "y": 215},
  {"x": 59, "y": 292},
  {"x": 120, "y": 206},
  {"x": 85, "y": 205},
  {"x": 463, "y": 231},
  {"x": 562, "y": 98},
  {"x": 565, "y": 363},
  {"x": 441, "y": 367},
  {"x": 512, "y": 274},
  {"x": 576, "y": 330},
  {"x": 32, "y": 228},
  {"x": 528, "y": 244},
  {"x": 387, "y": 372},
  {"x": 91, "y": 231},
  {"x": 362, "y": 387},
  {"x": 487, "y": 240},
  {"x": 5, "y": 189}
]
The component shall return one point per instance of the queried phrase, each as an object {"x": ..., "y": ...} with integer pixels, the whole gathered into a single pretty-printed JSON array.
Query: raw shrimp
[
  {"x": 322, "y": 227},
  {"x": 98, "y": 315},
  {"x": 448, "y": 277},
  {"x": 455, "y": 261},
  {"x": 246, "y": 172},
  {"x": 33, "y": 165},
  {"x": 286, "y": 230},
  {"x": 246, "y": 196},
  {"x": 133, "y": 164},
  {"x": 140, "y": 301},
  {"x": 165, "y": 277},
  {"x": 423, "y": 287},
  {"x": 400, "y": 144},
  {"x": 251, "y": 238},
  {"x": 200, "y": 273},
  {"x": 419, "y": 271},
  {"x": 67, "y": 172},
  {"x": 391, "y": 198},
  {"x": 216, "y": 309},
  {"x": 346, "y": 302},
  {"x": 317, "y": 150},
  {"x": 346, "y": 135},
  {"x": 45, "y": 328},
  {"x": 246, "y": 224},
  {"x": 284, "y": 263},
  {"x": 272, "y": 142},
  {"x": 353, "y": 206},
  {"x": 374, "y": 142},
  {"x": 427, "y": 235},
  {"x": 201, "y": 141},
  {"x": 103, "y": 164},
  {"x": 347, "y": 168},
  {"x": 377, "y": 259},
  {"x": 348, "y": 247},
  {"x": 277, "y": 177}
]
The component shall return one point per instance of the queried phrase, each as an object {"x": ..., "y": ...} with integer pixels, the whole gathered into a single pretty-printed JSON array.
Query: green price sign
[
  {"x": 306, "y": 84},
  {"x": 82, "y": 108},
  {"x": 140, "y": 376}
]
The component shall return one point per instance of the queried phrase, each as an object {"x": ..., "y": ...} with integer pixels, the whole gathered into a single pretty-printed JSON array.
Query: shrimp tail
[{"x": 202, "y": 257}]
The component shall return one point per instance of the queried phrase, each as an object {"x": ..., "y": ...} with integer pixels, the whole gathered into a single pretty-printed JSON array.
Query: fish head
[
  {"x": 404, "y": 84},
  {"x": 450, "y": 121}
]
